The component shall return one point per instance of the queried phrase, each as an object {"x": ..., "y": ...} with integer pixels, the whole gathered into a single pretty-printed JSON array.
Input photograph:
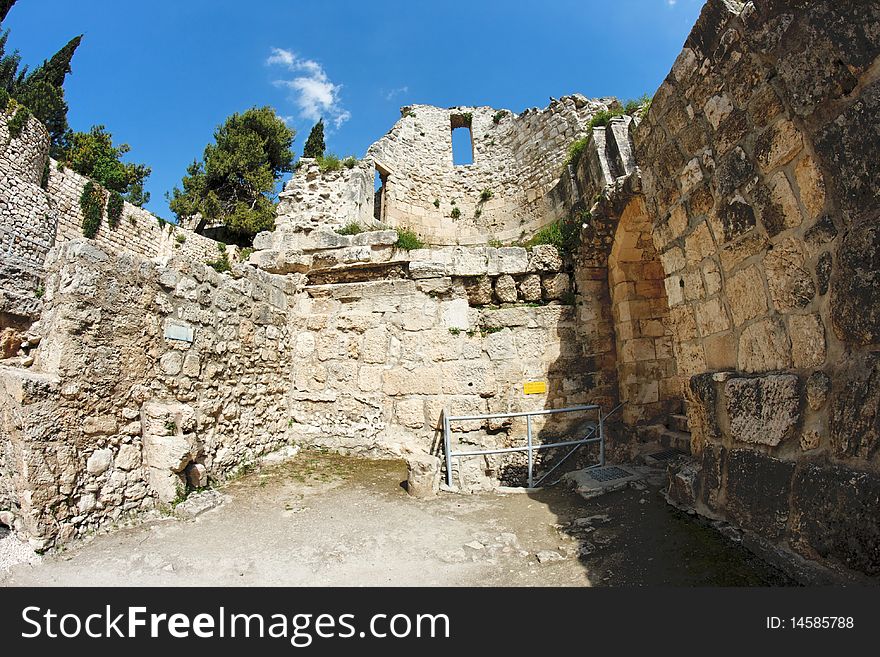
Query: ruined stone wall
[
  {"x": 139, "y": 231},
  {"x": 759, "y": 173},
  {"x": 27, "y": 221},
  {"x": 377, "y": 361},
  {"x": 148, "y": 380},
  {"x": 518, "y": 158}
]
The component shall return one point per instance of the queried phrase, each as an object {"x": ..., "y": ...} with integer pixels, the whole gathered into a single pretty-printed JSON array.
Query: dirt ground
[{"x": 325, "y": 519}]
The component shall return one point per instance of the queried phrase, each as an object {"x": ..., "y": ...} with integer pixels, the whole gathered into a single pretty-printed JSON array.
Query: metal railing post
[
  {"x": 446, "y": 448},
  {"x": 601, "y": 439},
  {"x": 529, "y": 443}
]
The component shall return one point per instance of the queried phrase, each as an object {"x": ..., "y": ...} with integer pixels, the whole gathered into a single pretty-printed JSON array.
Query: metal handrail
[{"x": 530, "y": 448}]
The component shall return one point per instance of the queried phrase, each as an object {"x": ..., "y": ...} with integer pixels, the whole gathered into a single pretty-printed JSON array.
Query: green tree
[
  {"x": 5, "y": 6},
  {"x": 93, "y": 155},
  {"x": 315, "y": 143},
  {"x": 234, "y": 183}
]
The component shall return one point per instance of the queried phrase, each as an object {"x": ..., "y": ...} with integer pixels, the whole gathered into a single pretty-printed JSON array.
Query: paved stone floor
[{"x": 324, "y": 519}]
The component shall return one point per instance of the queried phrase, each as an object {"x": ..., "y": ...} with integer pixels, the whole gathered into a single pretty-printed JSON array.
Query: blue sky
[{"x": 161, "y": 75}]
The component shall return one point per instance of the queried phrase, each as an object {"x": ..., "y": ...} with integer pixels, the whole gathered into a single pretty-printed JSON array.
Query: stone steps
[
  {"x": 678, "y": 422},
  {"x": 665, "y": 437}
]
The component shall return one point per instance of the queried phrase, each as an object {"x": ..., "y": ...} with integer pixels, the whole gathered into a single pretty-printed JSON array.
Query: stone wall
[
  {"x": 139, "y": 232},
  {"x": 759, "y": 174},
  {"x": 27, "y": 222},
  {"x": 518, "y": 158},
  {"x": 148, "y": 380}
]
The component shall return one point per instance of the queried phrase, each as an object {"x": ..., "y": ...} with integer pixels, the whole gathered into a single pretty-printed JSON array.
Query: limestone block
[
  {"x": 745, "y": 295},
  {"x": 791, "y": 286},
  {"x": 764, "y": 346},
  {"x": 100, "y": 424},
  {"x": 508, "y": 260},
  {"x": 411, "y": 412},
  {"x": 530, "y": 288},
  {"x": 763, "y": 410},
  {"x": 807, "y": 340},
  {"x": 505, "y": 289},
  {"x": 374, "y": 348},
  {"x": 167, "y": 486},
  {"x": 711, "y": 317},
  {"x": 555, "y": 286},
  {"x": 375, "y": 238},
  {"x": 427, "y": 269},
  {"x": 370, "y": 378},
  {"x": 454, "y": 314},
  {"x": 545, "y": 258},
  {"x": 500, "y": 345},
  {"x": 169, "y": 453},
  {"x": 818, "y": 387},
  {"x": 99, "y": 461},
  {"x": 128, "y": 458},
  {"x": 423, "y": 475},
  {"x": 811, "y": 185},
  {"x": 778, "y": 145},
  {"x": 479, "y": 290},
  {"x": 699, "y": 244},
  {"x": 468, "y": 261}
]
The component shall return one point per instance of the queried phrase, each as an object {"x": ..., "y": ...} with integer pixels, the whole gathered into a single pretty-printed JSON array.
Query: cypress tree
[
  {"x": 56, "y": 69},
  {"x": 5, "y": 6},
  {"x": 315, "y": 143}
]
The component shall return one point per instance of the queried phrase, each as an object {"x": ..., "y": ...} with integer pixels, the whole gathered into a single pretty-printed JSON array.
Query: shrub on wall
[
  {"x": 4, "y": 99},
  {"x": 44, "y": 179},
  {"x": 329, "y": 162},
  {"x": 91, "y": 202},
  {"x": 564, "y": 234},
  {"x": 408, "y": 240},
  {"x": 18, "y": 122},
  {"x": 115, "y": 205}
]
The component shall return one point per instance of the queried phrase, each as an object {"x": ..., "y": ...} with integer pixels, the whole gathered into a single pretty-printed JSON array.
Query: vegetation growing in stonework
[
  {"x": 91, "y": 202},
  {"x": 315, "y": 145},
  {"x": 352, "y": 228},
  {"x": 408, "y": 240},
  {"x": 44, "y": 177},
  {"x": 41, "y": 90},
  {"x": 456, "y": 213},
  {"x": 235, "y": 182},
  {"x": 500, "y": 114},
  {"x": 436, "y": 202},
  {"x": 350, "y": 162},
  {"x": 115, "y": 205},
  {"x": 329, "y": 162},
  {"x": 564, "y": 234},
  {"x": 485, "y": 195},
  {"x": 221, "y": 264},
  {"x": 93, "y": 155},
  {"x": 18, "y": 122}
]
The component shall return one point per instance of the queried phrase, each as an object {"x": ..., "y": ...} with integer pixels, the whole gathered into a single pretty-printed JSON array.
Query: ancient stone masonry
[
  {"x": 757, "y": 163},
  {"x": 150, "y": 380},
  {"x": 724, "y": 293},
  {"x": 517, "y": 158}
]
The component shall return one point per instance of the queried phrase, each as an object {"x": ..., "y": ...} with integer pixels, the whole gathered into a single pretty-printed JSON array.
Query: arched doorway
[{"x": 649, "y": 386}]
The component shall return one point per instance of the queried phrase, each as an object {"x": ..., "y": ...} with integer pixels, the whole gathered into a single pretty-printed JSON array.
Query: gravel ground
[
  {"x": 14, "y": 552},
  {"x": 323, "y": 519}
]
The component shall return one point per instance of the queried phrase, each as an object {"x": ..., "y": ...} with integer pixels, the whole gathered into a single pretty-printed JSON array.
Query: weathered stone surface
[
  {"x": 835, "y": 516},
  {"x": 479, "y": 291},
  {"x": 545, "y": 258},
  {"x": 505, "y": 289},
  {"x": 530, "y": 288},
  {"x": 555, "y": 286},
  {"x": 790, "y": 284},
  {"x": 423, "y": 478},
  {"x": 99, "y": 461},
  {"x": 855, "y": 407},
  {"x": 763, "y": 410},
  {"x": 818, "y": 386},
  {"x": 807, "y": 341},
  {"x": 758, "y": 489},
  {"x": 855, "y": 286},
  {"x": 764, "y": 346}
]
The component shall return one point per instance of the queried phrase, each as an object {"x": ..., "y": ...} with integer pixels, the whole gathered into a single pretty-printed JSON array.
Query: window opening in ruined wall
[
  {"x": 380, "y": 187},
  {"x": 462, "y": 140}
]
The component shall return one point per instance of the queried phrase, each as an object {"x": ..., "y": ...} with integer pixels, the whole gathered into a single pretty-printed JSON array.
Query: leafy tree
[
  {"x": 315, "y": 146},
  {"x": 41, "y": 91},
  {"x": 234, "y": 183},
  {"x": 93, "y": 155}
]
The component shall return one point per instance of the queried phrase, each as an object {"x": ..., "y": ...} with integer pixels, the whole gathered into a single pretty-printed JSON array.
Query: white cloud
[
  {"x": 312, "y": 91},
  {"x": 671, "y": 3},
  {"x": 396, "y": 92}
]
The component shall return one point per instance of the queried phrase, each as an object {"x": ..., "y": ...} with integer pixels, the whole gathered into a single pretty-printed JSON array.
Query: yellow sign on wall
[{"x": 535, "y": 387}]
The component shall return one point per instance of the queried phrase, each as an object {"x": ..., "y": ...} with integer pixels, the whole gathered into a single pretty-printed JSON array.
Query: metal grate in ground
[
  {"x": 608, "y": 473},
  {"x": 666, "y": 455}
]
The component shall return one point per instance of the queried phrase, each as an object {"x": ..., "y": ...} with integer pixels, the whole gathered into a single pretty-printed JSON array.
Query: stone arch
[{"x": 647, "y": 374}]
